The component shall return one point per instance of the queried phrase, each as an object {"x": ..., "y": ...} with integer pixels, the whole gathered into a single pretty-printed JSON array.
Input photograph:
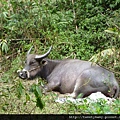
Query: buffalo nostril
[{"x": 22, "y": 75}]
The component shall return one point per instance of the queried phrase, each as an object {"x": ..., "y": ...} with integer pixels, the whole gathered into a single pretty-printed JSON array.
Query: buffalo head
[{"x": 33, "y": 65}]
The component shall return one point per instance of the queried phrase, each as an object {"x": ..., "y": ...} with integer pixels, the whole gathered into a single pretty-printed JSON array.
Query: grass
[
  {"x": 11, "y": 103},
  {"x": 16, "y": 97}
]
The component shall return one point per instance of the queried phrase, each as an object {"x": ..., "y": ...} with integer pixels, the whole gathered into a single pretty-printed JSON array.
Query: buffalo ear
[{"x": 44, "y": 62}]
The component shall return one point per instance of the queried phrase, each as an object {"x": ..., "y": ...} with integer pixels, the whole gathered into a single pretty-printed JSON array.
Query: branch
[{"x": 74, "y": 15}]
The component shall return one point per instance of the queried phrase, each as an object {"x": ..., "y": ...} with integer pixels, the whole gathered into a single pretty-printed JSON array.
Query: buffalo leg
[
  {"x": 51, "y": 86},
  {"x": 77, "y": 90},
  {"x": 82, "y": 82}
]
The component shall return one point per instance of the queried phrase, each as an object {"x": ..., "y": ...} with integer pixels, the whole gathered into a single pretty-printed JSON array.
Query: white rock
[{"x": 94, "y": 97}]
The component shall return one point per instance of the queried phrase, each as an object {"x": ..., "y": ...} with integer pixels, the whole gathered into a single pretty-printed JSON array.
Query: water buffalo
[{"x": 71, "y": 76}]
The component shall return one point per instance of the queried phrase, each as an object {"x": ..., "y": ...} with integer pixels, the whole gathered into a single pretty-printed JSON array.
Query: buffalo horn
[
  {"x": 29, "y": 50},
  {"x": 44, "y": 55}
]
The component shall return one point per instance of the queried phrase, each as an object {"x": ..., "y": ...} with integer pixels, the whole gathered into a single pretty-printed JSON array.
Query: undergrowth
[{"x": 25, "y": 97}]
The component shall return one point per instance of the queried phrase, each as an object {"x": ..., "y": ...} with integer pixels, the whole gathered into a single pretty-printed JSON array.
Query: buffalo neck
[{"x": 49, "y": 67}]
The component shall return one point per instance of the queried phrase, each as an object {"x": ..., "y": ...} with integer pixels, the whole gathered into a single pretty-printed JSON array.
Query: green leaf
[
  {"x": 38, "y": 95},
  {"x": 20, "y": 89},
  {"x": 38, "y": 91},
  {"x": 39, "y": 103},
  {"x": 27, "y": 97},
  {"x": 4, "y": 47},
  {"x": 5, "y": 14}
]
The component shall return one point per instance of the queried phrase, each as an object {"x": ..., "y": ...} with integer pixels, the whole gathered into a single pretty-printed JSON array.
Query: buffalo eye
[{"x": 31, "y": 63}]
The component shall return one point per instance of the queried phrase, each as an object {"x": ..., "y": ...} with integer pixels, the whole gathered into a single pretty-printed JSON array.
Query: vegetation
[{"x": 75, "y": 28}]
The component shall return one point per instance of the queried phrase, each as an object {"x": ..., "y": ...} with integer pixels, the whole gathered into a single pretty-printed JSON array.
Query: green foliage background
[
  {"x": 70, "y": 26},
  {"x": 75, "y": 29}
]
